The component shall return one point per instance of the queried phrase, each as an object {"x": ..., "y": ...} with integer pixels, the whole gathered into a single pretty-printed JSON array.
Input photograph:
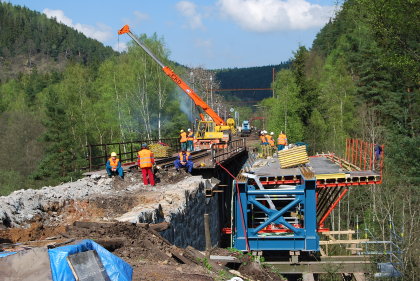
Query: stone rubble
[{"x": 22, "y": 206}]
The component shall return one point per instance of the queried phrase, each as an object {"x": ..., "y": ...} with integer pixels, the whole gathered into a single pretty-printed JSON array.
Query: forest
[
  {"x": 360, "y": 79},
  {"x": 48, "y": 116},
  {"x": 60, "y": 91}
]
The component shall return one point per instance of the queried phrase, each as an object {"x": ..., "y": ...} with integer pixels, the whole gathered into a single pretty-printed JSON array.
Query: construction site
[{"x": 246, "y": 211}]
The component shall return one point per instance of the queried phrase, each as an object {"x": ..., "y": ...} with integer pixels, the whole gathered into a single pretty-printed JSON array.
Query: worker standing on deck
[
  {"x": 263, "y": 138},
  {"x": 264, "y": 144},
  {"x": 281, "y": 141},
  {"x": 183, "y": 161},
  {"x": 145, "y": 163},
  {"x": 183, "y": 139},
  {"x": 270, "y": 139},
  {"x": 113, "y": 166},
  {"x": 190, "y": 140}
]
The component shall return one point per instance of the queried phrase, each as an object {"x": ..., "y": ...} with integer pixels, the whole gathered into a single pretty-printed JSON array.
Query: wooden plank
[
  {"x": 308, "y": 277},
  {"x": 358, "y": 276},
  {"x": 343, "y": 242},
  {"x": 330, "y": 176},
  {"x": 339, "y": 232}
]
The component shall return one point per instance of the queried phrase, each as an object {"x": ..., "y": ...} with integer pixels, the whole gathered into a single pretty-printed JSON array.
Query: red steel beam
[{"x": 321, "y": 222}]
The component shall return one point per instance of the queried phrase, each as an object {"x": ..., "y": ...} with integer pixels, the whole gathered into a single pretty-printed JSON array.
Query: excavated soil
[{"x": 55, "y": 222}]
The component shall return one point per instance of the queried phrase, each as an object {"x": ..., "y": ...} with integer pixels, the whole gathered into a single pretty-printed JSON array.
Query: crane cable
[{"x": 240, "y": 205}]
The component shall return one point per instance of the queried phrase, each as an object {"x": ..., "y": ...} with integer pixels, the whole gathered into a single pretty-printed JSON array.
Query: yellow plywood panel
[
  {"x": 293, "y": 157},
  {"x": 330, "y": 176}
]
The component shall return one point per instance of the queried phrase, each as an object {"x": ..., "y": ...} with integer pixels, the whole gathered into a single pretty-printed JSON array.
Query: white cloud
[
  {"x": 189, "y": 10},
  {"x": 273, "y": 15},
  {"x": 140, "y": 16},
  {"x": 100, "y": 32}
]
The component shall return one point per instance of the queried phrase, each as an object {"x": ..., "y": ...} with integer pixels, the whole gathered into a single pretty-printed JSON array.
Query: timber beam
[{"x": 322, "y": 267}]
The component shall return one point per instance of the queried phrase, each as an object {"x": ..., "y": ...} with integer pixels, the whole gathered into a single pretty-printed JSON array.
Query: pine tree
[{"x": 62, "y": 160}]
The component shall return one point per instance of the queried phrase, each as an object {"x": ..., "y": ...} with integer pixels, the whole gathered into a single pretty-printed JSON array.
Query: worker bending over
[
  {"x": 183, "y": 161},
  {"x": 281, "y": 141},
  {"x": 183, "y": 139},
  {"x": 270, "y": 139},
  {"x": 190, "y": 140},
  {"x": 113, "y": 166},
  {"x": 145, "y": 163}
]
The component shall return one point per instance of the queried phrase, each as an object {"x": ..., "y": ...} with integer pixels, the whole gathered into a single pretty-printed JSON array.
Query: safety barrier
[
  {"x": 221, "y": 152},
  {"x": 362, "y": 154},
  {"x": 98, "y": 154}
]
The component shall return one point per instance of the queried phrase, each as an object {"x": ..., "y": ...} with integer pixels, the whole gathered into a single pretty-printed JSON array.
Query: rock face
[
  {"x": 183, "y": 204},
  {"x": 22, "y": 206}
]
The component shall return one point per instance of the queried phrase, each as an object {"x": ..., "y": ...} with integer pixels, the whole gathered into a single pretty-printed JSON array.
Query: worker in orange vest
[
  {"x": 270, "y": 139},
  {"x": 183, "y": 139},
  {"x": 263, "y": 138},
  {"x": 113, "y": 166},
  {"x": 190, "y": 140},
  {"x": 281, "y": 141},
  {"x": 145, "y": 163},
  {"x": 183, "y": 161}
]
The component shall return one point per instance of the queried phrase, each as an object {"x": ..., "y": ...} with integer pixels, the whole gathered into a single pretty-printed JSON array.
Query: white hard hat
[
  {"x": 272, "y": 133},
  {"x": 189, "y": 129}
]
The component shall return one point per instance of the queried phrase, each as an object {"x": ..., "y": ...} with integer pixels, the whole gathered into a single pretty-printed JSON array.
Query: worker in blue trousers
[
  {"x": 113, "y": 166},
  {"x": 183, "y": 161}
]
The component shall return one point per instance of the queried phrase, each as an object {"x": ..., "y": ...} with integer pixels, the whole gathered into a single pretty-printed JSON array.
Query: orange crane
[{"x": 208, "y": 132}]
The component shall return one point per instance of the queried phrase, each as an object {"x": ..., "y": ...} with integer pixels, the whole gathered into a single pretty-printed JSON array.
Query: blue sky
[{"x": 211, "y": 34}]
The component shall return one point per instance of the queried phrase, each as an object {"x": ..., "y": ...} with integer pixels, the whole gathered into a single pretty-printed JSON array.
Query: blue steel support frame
[{"x": 300, "y": 239}]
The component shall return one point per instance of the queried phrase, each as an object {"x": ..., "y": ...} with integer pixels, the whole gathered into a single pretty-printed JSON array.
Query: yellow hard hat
[
  {"x": 181, "y": 131},
  {"x": 113, "y": 154}
]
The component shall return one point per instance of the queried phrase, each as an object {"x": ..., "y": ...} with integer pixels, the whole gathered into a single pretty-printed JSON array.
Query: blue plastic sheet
[
  {"x": 5, "y": 254},
  {"x": 116, "y": 268}
]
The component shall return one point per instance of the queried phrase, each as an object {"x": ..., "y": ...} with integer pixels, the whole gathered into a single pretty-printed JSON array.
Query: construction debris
[{"x": 293, "y": 157}]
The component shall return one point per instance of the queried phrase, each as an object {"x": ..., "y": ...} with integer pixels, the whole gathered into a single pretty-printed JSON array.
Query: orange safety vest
[
  {"x": 263, "y": 139},
  {"x": 146, "y": 159},
  {"x": 181, "y": 156},
  {"x": 282, "y": 139},
  {"x": 183, "y": 136},
  {"x": 270, "y": 140},
  {"x": 190, "y": 136},
  {"x": 114, "y": 164}
]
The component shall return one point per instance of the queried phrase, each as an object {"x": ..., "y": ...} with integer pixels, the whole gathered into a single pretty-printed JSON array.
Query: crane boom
[{"x": 184, "y": 86}]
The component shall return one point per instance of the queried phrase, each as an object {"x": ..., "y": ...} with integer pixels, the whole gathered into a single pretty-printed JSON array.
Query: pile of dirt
[{"x": 152, "y": 257}]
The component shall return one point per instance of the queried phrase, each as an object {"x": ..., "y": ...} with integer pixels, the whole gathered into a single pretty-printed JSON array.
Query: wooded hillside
[
  {"x": 360, "y": 79},
  {"x": 30, "y": 40}
]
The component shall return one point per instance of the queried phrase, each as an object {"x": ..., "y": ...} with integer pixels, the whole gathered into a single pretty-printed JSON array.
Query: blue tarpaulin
[
  {"x": 5, "y": 254},
  {"x": 116, "y": 268}
]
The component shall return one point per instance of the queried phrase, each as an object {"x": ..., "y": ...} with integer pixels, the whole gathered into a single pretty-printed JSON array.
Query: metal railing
[
  {"x": 98, "y": 154},
  {"x": 223, "y": 151}
]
